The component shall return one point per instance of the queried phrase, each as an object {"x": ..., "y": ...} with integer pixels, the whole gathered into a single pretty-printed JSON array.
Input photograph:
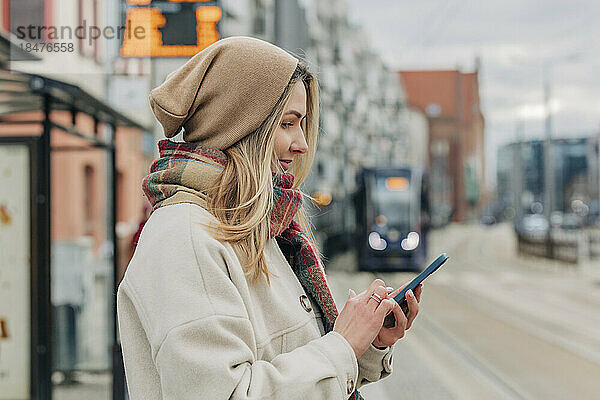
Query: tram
[{"x": 391, "y": 208}]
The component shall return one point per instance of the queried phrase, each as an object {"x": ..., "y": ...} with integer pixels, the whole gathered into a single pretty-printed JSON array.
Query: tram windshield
[{"x": 392, "y": 198}]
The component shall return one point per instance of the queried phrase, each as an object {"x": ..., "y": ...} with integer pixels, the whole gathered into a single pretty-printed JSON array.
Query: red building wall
[{"x": 450, "y": 99}]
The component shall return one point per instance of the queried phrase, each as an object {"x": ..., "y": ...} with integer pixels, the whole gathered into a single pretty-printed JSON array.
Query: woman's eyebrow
[{"x": 296, "y": 113}]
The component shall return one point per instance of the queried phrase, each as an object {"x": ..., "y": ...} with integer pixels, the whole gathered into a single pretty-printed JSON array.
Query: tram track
[
  {"x": 495, "y": 326},
  {"x": 512, "y": 351},
  {"x": 494, "y": 379},
  {"x": 540, "y": 303},
  {"x": 571, "y": 338},
  {"x": 450, "y": 350}
]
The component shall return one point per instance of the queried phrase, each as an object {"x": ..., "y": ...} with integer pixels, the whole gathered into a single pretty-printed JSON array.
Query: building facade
[
  {"x": 91, "y": 65},
  {"x": 520, "y": 176},
  {"x": 450, "y": 100}
]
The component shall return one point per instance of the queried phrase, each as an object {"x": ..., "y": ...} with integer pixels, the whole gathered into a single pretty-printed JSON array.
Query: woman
[{"x": 225, "y": 296}]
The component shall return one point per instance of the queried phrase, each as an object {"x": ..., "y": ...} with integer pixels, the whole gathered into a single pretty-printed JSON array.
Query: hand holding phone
[{"x": 400, "y": 298}]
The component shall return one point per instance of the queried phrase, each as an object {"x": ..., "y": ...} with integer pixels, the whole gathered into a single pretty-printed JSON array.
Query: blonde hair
[{"x": 242, "y": 196}]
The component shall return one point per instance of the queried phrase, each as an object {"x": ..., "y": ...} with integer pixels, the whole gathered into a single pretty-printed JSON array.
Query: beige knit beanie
[{"x": 224, "y": 92}]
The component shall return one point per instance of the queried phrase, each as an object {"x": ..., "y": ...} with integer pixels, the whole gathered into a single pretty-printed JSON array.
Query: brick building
[{"x": 450, "y": 100}]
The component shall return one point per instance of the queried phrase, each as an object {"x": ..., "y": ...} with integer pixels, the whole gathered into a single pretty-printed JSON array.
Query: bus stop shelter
[{"x": 39, "y": 119}]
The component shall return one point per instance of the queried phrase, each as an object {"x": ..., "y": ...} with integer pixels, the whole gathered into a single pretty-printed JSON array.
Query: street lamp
[
  {"x": 546, "y": 66},
  {"x": 548, "y": 165}
]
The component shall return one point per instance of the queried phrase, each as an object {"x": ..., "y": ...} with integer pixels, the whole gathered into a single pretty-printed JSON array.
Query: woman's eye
[{"x": 287, "y": 124}]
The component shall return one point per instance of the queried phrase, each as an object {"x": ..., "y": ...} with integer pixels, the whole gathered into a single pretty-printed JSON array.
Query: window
[
  {"x": 87, "y": 11},
  {"x": 88, "y": 200},
  {"x": 25, "y": 14},
  {"x": 121, "y": 197}
]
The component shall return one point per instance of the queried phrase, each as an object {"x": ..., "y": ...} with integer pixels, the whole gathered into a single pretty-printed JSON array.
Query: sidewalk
[{"x": 88, "y": 387}]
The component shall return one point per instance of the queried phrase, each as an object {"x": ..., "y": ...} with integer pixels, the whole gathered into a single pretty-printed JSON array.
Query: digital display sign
[
  {"x": 169, "y": 28},
  {"x": 396, "y": 183}
]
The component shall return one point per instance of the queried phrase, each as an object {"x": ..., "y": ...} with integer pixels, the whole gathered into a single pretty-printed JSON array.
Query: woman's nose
[{"x": 299, "y": 144}]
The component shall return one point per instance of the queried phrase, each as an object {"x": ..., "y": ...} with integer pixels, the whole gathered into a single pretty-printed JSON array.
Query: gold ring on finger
[{"x": 376, "y": 297}]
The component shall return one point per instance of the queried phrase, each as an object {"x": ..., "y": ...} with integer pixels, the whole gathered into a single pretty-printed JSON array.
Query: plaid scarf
[{"x": 182, "y": 173}]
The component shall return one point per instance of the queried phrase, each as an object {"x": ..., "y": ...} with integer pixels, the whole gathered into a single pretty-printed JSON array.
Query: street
[{"x": 491, "y": 325}]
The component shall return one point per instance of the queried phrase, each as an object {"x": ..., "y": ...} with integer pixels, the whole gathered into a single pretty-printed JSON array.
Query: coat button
[
  {"x": 350, "y": 386},
  {"x": 305, "y": 302}
]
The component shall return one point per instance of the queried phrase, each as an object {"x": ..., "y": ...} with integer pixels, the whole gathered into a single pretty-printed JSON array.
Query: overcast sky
[{"x": 516, "y": 40}]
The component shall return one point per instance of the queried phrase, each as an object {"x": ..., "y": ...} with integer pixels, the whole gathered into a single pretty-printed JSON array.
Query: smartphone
[{"x": 400, "y": 298}]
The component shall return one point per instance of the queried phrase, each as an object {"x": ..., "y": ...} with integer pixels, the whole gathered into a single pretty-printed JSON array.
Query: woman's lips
[{"x": 285, "y": 164}]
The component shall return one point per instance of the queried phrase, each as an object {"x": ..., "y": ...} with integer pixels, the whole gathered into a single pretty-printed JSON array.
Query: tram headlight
[
  {"x": 377, "y": 242},
  {"x": 410, "y": 242}
]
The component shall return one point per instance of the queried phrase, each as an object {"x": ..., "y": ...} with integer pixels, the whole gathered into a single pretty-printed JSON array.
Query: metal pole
[
  {"x": 345, "y": 177},
  {"x": 517, "y": 175},
  {"x": 548, "y": 167},
  {"x": 117, "y": 357},
  {"x": 42, "y": 386}
]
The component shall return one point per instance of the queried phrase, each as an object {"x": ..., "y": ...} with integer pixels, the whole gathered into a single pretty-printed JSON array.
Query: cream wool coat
[{"x": 192, "y": 327}]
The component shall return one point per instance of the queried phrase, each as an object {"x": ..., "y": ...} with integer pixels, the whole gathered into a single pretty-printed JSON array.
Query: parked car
[
  {"x": 571, "y": 221},
  {"x": 529, "y": 224},
  {"x": 488, "y": 219}
]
